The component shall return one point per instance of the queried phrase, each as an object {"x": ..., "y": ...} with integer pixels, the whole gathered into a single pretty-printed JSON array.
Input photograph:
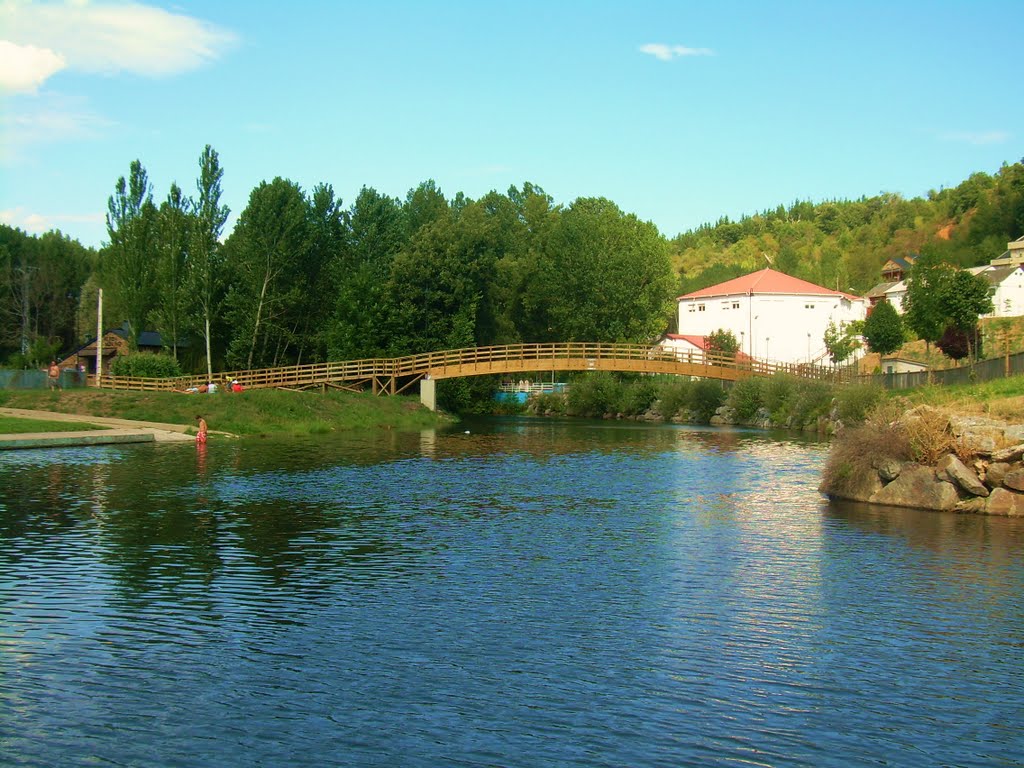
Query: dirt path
[{"x": 162, "y": 433}]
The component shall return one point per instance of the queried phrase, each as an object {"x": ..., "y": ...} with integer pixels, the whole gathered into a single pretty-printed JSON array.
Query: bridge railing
[{"x": 311, "y": 374}]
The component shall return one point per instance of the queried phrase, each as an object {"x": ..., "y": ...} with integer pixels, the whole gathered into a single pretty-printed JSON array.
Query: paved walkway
[{"x": 121, "y": 431}]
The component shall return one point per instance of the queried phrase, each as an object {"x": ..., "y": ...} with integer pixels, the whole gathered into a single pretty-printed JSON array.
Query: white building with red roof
[{"x": 774, "y": 316}]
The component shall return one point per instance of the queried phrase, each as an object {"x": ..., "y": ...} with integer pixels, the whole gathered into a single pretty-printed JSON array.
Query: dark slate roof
[{"x": 879, "y": 290}]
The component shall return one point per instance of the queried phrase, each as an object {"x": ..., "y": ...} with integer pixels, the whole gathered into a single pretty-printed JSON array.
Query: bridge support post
[{"x": 428, "y": 393}]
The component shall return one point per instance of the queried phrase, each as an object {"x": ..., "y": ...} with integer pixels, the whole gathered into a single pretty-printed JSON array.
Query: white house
[
  {"x": 1006, "y": 287},
  {"x": 774, "y": 316}
]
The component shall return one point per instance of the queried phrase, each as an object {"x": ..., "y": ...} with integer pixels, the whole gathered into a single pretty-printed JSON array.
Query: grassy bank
[
  {"x": 255, "y": 412},
  {"x": 10, "y": 425},
  {"x": 1000, "y": 399}
]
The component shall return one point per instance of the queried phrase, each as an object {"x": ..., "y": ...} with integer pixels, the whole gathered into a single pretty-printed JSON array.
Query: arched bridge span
[{"x": 396, "y": 375}]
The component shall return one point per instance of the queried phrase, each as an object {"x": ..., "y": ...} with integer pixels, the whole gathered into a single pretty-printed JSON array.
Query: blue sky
[{"x": 680, "y": 112}]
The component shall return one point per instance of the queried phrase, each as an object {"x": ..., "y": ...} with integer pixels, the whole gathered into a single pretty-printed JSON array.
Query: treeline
[
  {"x": 842, "y": 244},
  {"x": 304, "y": 278}
]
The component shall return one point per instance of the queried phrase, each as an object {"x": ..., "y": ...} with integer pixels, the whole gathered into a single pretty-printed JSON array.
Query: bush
[
  {"x": 636, "y": 397},
  {"x": 777, "y": 396},
  {"x": 705, "y": 397},
  {"x": 855, "y": 401},
  {"x": 746, "y": 397},
  {"x": 855, "y": 452},
  {"x": 145, "y": 365},
  {"x": 810, "y": 401},
  {"x": 593, "y": 394},
  {"x": 673, "y": 395},
  {"x": 545, "y": 403}
]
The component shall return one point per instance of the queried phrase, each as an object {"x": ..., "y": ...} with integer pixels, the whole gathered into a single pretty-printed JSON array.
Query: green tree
[
  {"x": 966, "y": 298},
  {"x": 129, "y": 266},
  {"x": 883, "y": 329},
  {"x": 205, "y": 262},
  {"x": 174, "y": 224},
  {"x": 265, "y": 253},
  {"x": 841, "y": 341},
  {"x": 924, "y": 304},
  {"x": 722, "y": 342}
]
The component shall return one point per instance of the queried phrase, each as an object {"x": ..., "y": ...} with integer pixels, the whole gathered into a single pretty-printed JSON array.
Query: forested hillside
[
  {"x": 842, "y": 244},
  {"x": 305, "y": 277}
]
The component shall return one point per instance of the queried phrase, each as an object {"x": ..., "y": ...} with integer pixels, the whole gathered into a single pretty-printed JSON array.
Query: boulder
[
  {"x": 859, "y": 487},
  {"x": 1011, "y": 454},
  {"x": 956, "y": 472},
  {"x": 888, "y": 469},
  {"x": 918, "y": 487},
  {"x": 979, "y": 434},
  {"x": 1015, "y": 479},
  {"x": 974, "y": 506},
  {"x": 995, "y": 473},
  {"x": 1006, "y": 503}
]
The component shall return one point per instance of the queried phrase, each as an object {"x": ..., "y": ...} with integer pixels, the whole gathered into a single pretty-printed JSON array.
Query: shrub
[
  {"x": 673, "y": 395},
  {"x": 855, "y": 401},
  {"x": 856, "y": 451},
  {"x": 746, "y": 397},
  {"x": 145, "y": 365},
  {"x": 544, "y": 403},
  {"x": 636, "y": 397},
  {"x": 810, "y": 401},
  {"x": 777, "y": 395},
  {"x": 705, "y": 397},
  {"x": 593, "y": 394}
]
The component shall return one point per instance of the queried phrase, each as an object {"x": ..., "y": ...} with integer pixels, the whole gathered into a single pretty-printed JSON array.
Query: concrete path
[{"x": 121, "y": 431}]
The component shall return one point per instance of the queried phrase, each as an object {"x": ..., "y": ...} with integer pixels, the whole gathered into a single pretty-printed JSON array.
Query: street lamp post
[{"x": 766, "y": 340}]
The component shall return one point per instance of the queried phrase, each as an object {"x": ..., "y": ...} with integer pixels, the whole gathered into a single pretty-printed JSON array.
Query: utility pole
[{"x": 99, "y": 337}]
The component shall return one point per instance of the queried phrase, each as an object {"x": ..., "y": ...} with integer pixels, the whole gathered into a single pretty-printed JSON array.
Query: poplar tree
[{"x": 204, "y": 261}]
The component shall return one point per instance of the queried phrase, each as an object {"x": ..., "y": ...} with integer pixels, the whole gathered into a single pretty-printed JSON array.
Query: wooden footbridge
[{"x": 390, "y": 376}]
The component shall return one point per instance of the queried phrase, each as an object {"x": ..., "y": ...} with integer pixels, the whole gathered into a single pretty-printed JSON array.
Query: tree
[
  {"x": 722, "y": 342},
  {"x": 265, "y": 254},
  {"x": 174, "y": 224},
  {"x": 955, "y": 343},
  {"x": 841, "y": 341},
  {"x": 205, "y": 260},
  {"x": 128, "y": 264},
  {"x": 927, "y": 287},
  {"x": 883, "y": 330}
]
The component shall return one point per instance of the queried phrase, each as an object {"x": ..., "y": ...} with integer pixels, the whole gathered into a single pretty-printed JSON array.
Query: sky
[{"x": 680, "y": 112}]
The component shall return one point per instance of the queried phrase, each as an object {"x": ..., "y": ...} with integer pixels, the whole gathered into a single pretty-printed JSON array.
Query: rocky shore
[{"x": 928, "y": 459}]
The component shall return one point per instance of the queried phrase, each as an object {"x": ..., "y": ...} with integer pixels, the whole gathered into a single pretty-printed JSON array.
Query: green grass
[
  {"x": 13, "y": 425},
  {"x": 254, "y": 412},
  {"x": 1000, "y": 399}
]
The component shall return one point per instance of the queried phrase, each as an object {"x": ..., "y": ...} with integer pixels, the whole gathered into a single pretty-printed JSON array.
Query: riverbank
[
  {"x": 928, "y": 458},
  {"x": 251, "y": 413}
]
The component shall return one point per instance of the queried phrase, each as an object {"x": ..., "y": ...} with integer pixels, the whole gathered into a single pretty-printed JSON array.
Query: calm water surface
[{"x": 529, "y": 594}]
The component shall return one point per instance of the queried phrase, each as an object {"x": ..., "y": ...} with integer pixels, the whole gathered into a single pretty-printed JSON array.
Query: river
[{"x": 508, "y": 593}]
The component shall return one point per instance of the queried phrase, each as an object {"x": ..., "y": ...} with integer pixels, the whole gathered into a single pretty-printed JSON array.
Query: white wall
[
  {"x": 782, "y": 327},
  {"x": 1009, "y": 296}
]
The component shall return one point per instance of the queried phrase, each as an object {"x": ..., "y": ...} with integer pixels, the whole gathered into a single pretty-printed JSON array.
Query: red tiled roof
[
  {"x": 765, "y": 281},
  {"x": 701, "y": 342}
]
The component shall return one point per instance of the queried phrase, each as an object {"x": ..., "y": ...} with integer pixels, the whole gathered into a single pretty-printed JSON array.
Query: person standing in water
[{"x": 201, "y": 435}]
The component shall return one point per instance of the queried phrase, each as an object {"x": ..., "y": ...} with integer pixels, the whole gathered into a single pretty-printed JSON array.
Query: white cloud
[
  {"x": 669, "y": 52},
  {"x": 48, "y": 118},
  {"x": 109, "y": 37},
  {"x": 23, "y": 68},
  {"x": 37, "y": 223},
  {"x": 978, "y": 138}
]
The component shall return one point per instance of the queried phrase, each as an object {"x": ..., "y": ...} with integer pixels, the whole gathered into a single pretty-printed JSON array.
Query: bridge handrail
[{"x": 421, "y": 364}]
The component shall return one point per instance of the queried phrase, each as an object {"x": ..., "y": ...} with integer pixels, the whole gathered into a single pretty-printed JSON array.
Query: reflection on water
[{"x": 511, "y": 592}]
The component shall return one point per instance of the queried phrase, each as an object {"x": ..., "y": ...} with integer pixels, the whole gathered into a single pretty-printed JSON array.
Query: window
[
  {"x": 808, "y": 306},
  {"x": 735, "y": 305},
  {"x": 700, "y": 307}
]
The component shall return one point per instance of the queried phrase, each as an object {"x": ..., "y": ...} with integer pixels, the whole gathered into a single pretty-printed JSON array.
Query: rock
[
  {"x": 977, "y": 433},
  {"x": 918, "y": 487},
  {"x": 1005, "y": 503},
  {"x": 995, "y": 473},
  {"x": 888, "y": 469},
  {"x": 1015, "y": 432},
  {"x": 1013, "y": 453},
  {"x": 859, "y": 488},
  {"x": 974, "y": 506},
  {"x": 961, "y": 475},
  {"x": 1015, "y": 479}
]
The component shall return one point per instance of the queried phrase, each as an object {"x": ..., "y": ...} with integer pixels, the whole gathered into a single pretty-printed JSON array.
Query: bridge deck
[{"x": 396, "y": 375}]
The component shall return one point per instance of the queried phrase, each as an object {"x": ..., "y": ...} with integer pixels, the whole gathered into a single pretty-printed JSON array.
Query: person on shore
[
  {"x": 201, "y": 435},
  {"x": 53, "y": 375}
]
